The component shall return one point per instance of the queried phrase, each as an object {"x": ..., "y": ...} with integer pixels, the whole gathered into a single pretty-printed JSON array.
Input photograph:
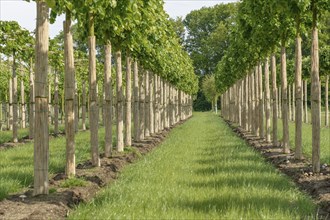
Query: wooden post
[{"x": 41, "y": 142}]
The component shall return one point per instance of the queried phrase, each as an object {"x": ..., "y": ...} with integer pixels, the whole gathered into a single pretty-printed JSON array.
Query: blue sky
[{"x": 24, "y": 12}]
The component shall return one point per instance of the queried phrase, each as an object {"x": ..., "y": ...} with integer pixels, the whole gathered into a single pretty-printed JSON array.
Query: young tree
[{"x": 41, "y": 137}]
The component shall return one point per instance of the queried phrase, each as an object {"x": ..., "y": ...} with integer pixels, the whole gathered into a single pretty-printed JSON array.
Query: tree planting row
[
  {"x": 163, "y": 76},
  {"x": 263, "y": 28}
]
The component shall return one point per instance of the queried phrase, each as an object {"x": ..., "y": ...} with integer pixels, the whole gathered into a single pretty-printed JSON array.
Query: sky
[{"x": 25, "y": 12}]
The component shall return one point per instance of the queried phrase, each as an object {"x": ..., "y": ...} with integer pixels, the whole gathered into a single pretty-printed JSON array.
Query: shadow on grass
[
  {"x": 231, "y": 168},
  {"x": 243, "y": 182},
  {"x": 257, "y": 204}
]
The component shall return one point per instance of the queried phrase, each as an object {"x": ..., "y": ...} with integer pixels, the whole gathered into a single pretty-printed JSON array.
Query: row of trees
[
  {"x": 262, "y": 28},
  {"x": 142, "y": 31}
]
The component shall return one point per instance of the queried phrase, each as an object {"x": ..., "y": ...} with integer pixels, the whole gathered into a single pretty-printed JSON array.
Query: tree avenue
[
  {"x": 150, "y": 65},
  {"x": 123, "y": 65},
  {"x": 265, "y": 31}
]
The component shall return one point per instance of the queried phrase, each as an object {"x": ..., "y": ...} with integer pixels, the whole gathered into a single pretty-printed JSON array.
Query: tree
[
  {"x": 41, "y": 138},
  {"x": 210, "y": 91}
]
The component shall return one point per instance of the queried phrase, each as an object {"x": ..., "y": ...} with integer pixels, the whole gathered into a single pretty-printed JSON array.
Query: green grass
[
  {"x": 307, "y": 139},
  {"x": 201, "y": 171},
  {"x": 7, "y": 136},
  {"x": 16, "y": 164},
  {"x": 72, "y": 182}
]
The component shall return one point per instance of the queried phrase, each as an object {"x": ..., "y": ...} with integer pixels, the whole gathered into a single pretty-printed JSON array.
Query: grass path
[{"x": 201, "y": 171}]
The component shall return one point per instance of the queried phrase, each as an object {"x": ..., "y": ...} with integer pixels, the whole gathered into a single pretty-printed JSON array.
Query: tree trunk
[
  {"x": 239, "y": 107},
  {"x": 267, "y": 97},
  {"x": 128, "y": 125},
  {"x": 76, "y": 107},
  {"x": 56, "y": 103},
  {"x": 83, "y": 106},
  {"x": 176, "y": 105},
  {"x": 252, "y": 104},
  {"x": 306, "y": 103},
  {"x": 280, "y": 102},
  {"x": 50, "y": 99},
  {"x": 327, "y": 101},
  {"x": 119, "y": 84},
  {"x": 147, "y": 105},
  {"x": 315, "y": 92},
  {"x": 299, "y": 104},
  {"x": 290, "y": 103},
  {"x": 257, "y": 100},
  {"x": 261, "y": 104},
  {"x": 107, "y": 97},
  {"x": 284, "y": 85},
  {"x": 23, "y": 104},
  {"x": 41, "y": 142},
  {"x": 246, "y": 94},
  {"x": 165, "y": 91},
  {"x": 142, "y": 107},
  {"x": 10, "y": 116},
  {"x": 93, "y": 98},
  {"x": 171, "y": 106},
  {"x": 15, "y": 109},
  {"x": 156, "y": 104},
  {"x": 293, "y": 101},
  {"x": 151, "y": 104},
  {"x": 32, "y": 106},
  {"x": 69, "y": 80},
  {"x": 136, "y": 101},
  {"x": 161, "y": 101},
  {"x": 253, "y": 88},
  {"x": 275, "y": 98}
]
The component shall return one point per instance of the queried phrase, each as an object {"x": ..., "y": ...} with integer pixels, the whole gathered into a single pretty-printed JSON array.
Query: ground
[{"x": 62, "y": 201}]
